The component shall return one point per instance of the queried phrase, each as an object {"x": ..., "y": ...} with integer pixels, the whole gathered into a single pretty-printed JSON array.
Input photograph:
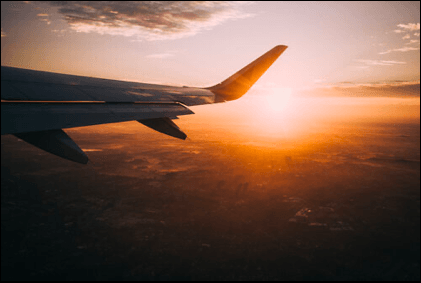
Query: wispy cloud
[
  {"x": 406, "y": 28},
  {"x": 413, "y": 41},
  {"x": 3, "y": 34},
  {"x": 410, "y": 26},
  {"x": 44, "y": 18},
  {"x": 379, "y": 62},
  {"x": 59, "y": 32},
  {"x": 149, "y": 20},
  {"x": 403, "y": 49}
]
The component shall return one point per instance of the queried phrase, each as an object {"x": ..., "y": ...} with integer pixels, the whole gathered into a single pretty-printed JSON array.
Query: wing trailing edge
[{"x": 37, "y": 116}]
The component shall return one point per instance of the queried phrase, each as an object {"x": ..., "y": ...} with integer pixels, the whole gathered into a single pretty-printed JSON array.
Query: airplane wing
[{"x": 36, "y": 106}]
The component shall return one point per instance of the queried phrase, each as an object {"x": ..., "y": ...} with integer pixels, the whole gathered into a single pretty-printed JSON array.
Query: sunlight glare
[
  {"x": 271, "y": 112},
  {"x": 277, "y": 100}
]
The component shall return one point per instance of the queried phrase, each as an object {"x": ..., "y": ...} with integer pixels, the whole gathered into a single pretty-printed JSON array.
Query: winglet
[{"x": 238, "y": 84}]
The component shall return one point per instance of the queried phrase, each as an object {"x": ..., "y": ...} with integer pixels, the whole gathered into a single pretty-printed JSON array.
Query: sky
[
  {"x": 354, "y": 49},
  {"x": 202, "y": 43}
]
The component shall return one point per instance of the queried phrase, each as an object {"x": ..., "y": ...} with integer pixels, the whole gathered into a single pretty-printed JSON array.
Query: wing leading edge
[{"x": 36, "y": 105}]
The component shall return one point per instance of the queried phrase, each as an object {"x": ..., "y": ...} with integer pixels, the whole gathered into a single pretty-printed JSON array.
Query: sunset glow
[{"x": 269, "y": 141}]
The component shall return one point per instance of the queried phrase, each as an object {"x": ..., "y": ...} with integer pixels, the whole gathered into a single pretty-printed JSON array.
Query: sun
[
  {"x": 277, "y": 100},
  {"x": 271, "y": 112}
]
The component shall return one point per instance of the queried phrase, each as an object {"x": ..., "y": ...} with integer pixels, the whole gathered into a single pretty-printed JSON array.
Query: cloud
[
  {"x": 149, "y": 20},
  {"x": 413, "y": 41},
  {"x": 403, "y": 49},
  {"x": 348, "y": 89},
  {"x": 410, "y": 26},
  {"x": 44, "y": 18},
  {"x": 3, "y": 34},
  {"x": 379, "y": 62},
  {"x": 59, "y": 32},
  {"x": 160, "y": 56}
]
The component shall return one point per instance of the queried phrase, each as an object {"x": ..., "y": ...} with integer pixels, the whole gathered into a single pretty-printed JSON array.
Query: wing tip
[
  {"x": 281, "y": 46},
  {"x": 239, "y": 83}
]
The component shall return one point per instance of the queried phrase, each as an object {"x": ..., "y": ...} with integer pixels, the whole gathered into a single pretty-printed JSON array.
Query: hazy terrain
[{"x": 342, "y": 204}]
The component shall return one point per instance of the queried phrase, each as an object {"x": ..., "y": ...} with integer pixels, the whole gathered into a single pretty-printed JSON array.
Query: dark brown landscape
[{"x": 344, "y": 206}]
